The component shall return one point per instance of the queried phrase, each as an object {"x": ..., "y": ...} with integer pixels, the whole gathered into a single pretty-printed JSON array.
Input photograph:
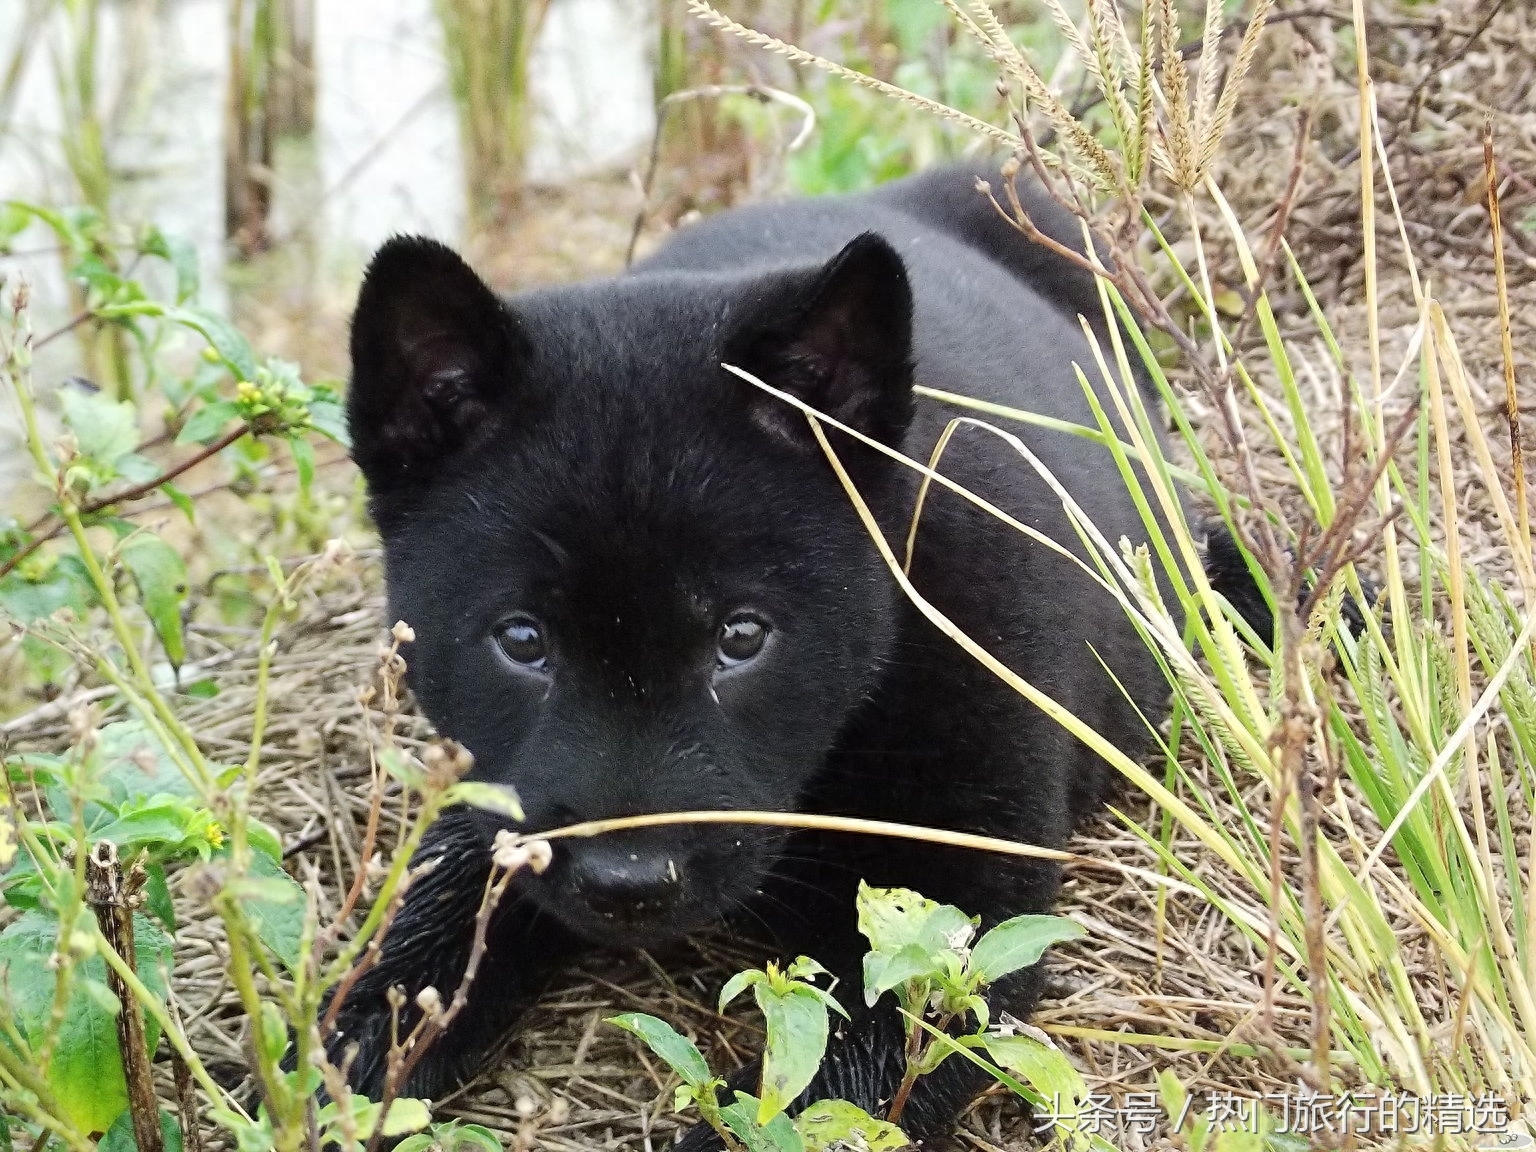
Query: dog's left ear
[{"x": 839, "y": 338}]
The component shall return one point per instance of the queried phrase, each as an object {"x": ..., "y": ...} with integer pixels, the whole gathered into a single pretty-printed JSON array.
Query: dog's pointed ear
[
  {"x": 840, "y": 339},
  {"x": 434, "y": 354}
]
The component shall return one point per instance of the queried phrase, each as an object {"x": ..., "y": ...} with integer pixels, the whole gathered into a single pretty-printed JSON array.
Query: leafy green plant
[
  {"x": 231, "y": 401},
  {"x": 90, "y": 835},
  {"x": 923, "y": 953}
]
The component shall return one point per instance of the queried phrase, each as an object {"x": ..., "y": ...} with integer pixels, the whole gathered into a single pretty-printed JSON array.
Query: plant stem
[
  {"x": 913, "y": 1056},
  {"x": 136, "y": 492}
]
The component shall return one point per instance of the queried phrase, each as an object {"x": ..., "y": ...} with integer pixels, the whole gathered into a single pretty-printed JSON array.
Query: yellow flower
[{"x": 215, "y": 834}]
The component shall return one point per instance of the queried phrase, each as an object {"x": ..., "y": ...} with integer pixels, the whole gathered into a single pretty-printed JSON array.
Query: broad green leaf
[
  {"x": 895, "y": 918},
  {"x": 833, "y": 1125},
  {"x": 162, "y": 579},
  {"x": 406, "y": 1115},
  {"x": 275, "y": 905},
  {"x": 498, "y": 798},
  {"x": 119, "y": 1137},
  {"x": 207, "y": 423},
  {"x": 164, "y": 828},
  {"x": 796, "y": 1023},
  {"x": 661, "y": 1038},
  {"x": 738, "y": 984},
  {"x": 1020, "y": 942},
  {"x": 105, "y": 429},
  {"x": 886, "y": 970},
  {"x": 778, "y": 1135},
  {"x": 28, "y": 601},
  {"x": 136, "y": 469},
  {"x": 264, "y": 840},
  {"x": 1044, "y": 1068},
  {"x": 86, "y": 1073},
  {"x": 136, "y": 766},
  {"x": 221, "y": 336},
  {"x": 452, "y": 1136}
]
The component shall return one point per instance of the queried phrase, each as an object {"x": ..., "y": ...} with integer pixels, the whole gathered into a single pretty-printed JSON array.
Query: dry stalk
[
  {"x": 113, "y": 895},
  {"x": 511, "y": 857},
  {"x": 719, "y": 20},
  {"x": 1506, "y": 341}
]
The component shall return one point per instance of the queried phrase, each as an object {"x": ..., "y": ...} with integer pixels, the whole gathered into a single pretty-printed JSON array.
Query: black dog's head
[{"x": 635, "y": 582}]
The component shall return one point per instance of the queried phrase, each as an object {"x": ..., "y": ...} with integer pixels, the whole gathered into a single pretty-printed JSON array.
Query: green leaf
[
  {"x": 105, "y": 429},
  {"x": 163, "y": 827},
  {"x": 896, "y": 918},
  {"x": 264, "y": 840},
  {"x": 452, "y": 1136},
  {"x": 796, "y": 1023},
  {"x": 221, "y": 335},
  {"x": 180, "y": 254},
  {"x": 182, "y": 501},
  {"x": 303, "y": 461},
  {"x": 778, "y": 1135},
  {"x": 1041, "y": 1066},
  {"x": 738, "y": 984},
  {"x": 137, "y": 469},
  {"x": 207, "y": 423},
  {"x": 157, "y": 897},
  {"x": 498, "y": 798},
  {"x": 328, "y": 417},
  {"x": 834, "y": 1125},
  {"x": 119, "y": 1137},
  {"x": 661, "y": 1038},
  {"x": 405, "y": 1116},
  {"x": 1020, "y": 942},
  {"x": 886, "y": 970},
  {"x": 86, "y": 1073},
  {"x": 162, "y": 579},
  {"x": 28, "y": 601},
  {"x": 275, "y": 905},
  {"x": 136, "y": 766}
]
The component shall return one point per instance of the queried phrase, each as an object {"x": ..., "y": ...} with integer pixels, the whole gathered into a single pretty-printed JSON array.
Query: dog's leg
[{"x": 428, "y": 945}]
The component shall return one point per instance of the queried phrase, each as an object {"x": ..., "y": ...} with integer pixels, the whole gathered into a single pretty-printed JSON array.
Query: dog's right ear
[{"x": 434, "y": 354}]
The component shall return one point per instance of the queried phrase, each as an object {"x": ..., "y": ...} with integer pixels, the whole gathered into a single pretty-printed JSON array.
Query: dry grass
[{"x": 570, "y": 1083}]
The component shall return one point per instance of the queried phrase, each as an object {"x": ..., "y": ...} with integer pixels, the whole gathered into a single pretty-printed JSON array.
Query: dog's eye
[
  {"x": 521, "y": 639},
  {"x": 741, "y": 638}
]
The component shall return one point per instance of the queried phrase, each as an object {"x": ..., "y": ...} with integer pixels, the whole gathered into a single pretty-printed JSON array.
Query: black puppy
[{"x": 637, "y": 586}]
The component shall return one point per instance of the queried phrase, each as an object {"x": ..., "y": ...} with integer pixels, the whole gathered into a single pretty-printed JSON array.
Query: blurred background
[{"x": 282, "y": 140}]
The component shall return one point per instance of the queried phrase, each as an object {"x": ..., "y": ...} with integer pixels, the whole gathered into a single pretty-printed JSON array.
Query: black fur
[{"x": 578, "y": 454}]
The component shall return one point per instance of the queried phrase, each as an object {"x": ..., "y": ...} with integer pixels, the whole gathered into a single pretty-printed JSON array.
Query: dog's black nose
[{"x": 625, "y": 885}]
